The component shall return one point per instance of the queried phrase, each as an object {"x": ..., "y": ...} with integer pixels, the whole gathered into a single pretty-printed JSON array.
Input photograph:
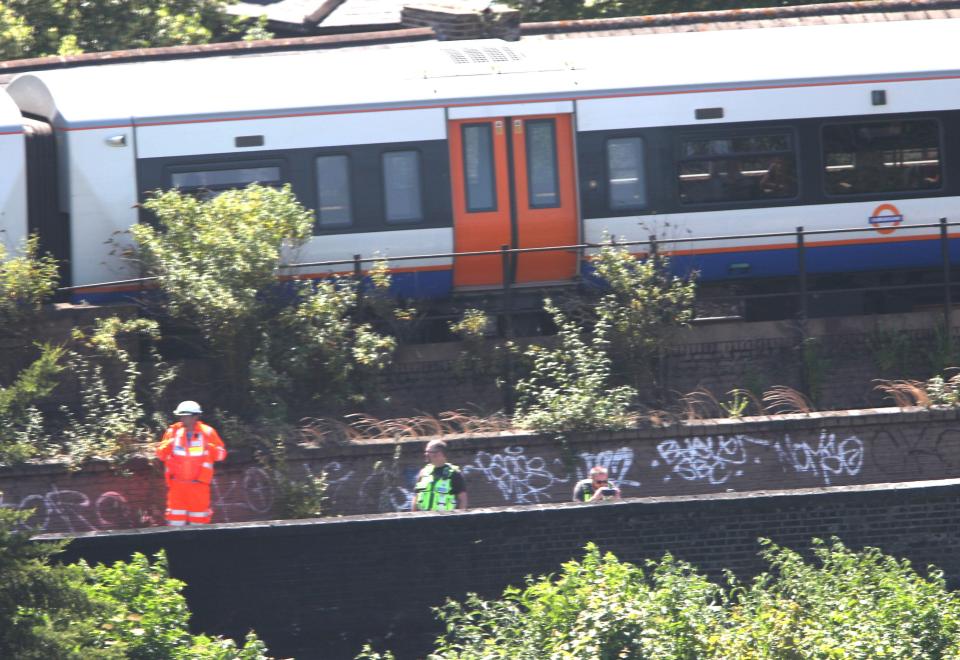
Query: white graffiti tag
[
  {"x": 826, "y": 458},
  {"x": 617, "y": 461},
  {"x": 714, "y": 460},
  {"x": 521, "y": 479},
  {"x": 252, "y": 492},
  {"x": 717, "y": 460},
  {"x": 73, "y": 511}
]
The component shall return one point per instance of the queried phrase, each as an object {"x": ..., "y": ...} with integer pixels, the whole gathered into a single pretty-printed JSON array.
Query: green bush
[
  {"x": 282, "y": 349},
  {"x": 644, "y": 307},
  {"x": 568, "y": 388},
  {"x": 22, "y": 428},
  {"x": 844, "y": 604},
  {"x": 132, "y": 610},
  {"x": 27, "y": 280}
]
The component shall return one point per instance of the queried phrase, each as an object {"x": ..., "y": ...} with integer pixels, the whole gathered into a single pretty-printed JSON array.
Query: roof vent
[{"x": 485, "y": 55}]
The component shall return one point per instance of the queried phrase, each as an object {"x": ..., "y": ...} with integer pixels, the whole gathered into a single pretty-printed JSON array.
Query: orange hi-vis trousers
[{"x": 188, "y": 502}]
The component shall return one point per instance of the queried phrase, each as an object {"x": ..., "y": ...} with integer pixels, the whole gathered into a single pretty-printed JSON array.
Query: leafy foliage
[
  {"x": 283, "y": 348},
  {"x": 844, "y": 604},
  {"x": 145, "y": 616},
  {"x": 35, "y": 598},
  {"x": 216, "y": 257},
  {"x": 22, "y": 433},
  {"x": 110, "y": 422},
  {"x": 643, "y": 307},
  {"x": 34, "y": 28},
  {"x": 293, "y": 498},
  {"x": 568, "y": 387},
  {"x": 131, "y": 610},
  {"x": 27, "y": 280},
  {"x": 312, "y": 354}
]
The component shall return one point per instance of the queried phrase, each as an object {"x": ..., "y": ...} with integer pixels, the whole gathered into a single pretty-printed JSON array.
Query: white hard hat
[{"x": 188, "y": 408}]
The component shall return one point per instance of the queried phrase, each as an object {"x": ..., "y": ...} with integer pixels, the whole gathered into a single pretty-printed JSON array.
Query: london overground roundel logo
[{"x": 886, "y": 218}]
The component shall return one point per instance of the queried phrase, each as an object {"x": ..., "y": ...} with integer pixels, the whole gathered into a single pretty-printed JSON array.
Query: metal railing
[{"x": 508, "y": 258}]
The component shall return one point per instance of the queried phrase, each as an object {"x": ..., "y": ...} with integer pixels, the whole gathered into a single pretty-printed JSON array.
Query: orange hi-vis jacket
[{"x": 190, "y": 459}]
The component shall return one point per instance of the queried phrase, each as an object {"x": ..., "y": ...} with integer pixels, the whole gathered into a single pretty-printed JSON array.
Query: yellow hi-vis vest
[{"x": 434, "y": 489}]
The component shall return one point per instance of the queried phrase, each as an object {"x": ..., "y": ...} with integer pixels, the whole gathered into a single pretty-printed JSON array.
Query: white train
[{"x": 432, "y": 148}]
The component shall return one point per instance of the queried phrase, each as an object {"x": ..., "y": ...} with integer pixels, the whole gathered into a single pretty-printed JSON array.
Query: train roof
[{"x": 427, "y": 74}]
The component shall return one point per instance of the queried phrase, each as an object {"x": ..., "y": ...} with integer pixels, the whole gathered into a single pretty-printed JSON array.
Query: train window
[
  {"x": 478, "y": 173},
  {"x": 333, "y": 191},
  {"x": 401, "y": 182},
  {"x": 626, "y": 177},
  {"x": 214, "y": 180},
  {"x": 542, "y": 178},
  {"x": 743, "y": 168},
  {"x": 881, "y": 157}
]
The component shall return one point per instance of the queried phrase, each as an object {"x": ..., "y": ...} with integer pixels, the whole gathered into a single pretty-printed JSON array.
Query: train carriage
[
  {"x": 13, "y": 179},
  {"x": 432, "y": 148}
]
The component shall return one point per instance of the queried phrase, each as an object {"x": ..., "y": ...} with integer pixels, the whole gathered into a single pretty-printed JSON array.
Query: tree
[
  {"x": 36, "y": 28},
  {"x": 280, "y": 347}
]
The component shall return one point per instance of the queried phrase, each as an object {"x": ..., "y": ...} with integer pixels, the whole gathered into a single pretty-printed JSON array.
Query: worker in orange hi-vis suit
[{"x": 188, "y": 450}]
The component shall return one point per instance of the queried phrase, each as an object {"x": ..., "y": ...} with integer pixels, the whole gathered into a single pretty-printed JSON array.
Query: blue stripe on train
[
  {"x": 432, "y": 284},
  {"x": 825, "y": 259}
]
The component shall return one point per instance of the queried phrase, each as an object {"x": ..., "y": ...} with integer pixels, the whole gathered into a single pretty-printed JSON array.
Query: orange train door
[{"x": 513, "y": 184}]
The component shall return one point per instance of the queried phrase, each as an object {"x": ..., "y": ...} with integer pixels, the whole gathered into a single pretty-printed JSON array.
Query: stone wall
[
  {"x": 797, "y": 451},
  {"x": 319, "y": 589}
]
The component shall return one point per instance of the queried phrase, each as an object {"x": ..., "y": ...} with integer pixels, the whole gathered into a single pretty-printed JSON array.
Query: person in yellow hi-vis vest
[
  {"x": 188, "y": 450},
  {"x": 440, "y": 486}
]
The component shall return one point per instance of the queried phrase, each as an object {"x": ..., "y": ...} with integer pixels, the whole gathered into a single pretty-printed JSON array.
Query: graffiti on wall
[
  {"x": 617, "y": 462},
  {"x": 717, "y": 460},
  {"x": 245, "y": 497},
  {"x": 74, "y": 511},
  {"x": 518, "y": 474},
  {"x": 521, "y": 479}
]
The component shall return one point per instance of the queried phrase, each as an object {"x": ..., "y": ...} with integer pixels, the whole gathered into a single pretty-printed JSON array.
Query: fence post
[
  {"x": 654, "y": 248},
  {"x": 802, "y": 274},
  {"x": 803, "y": 311},
  {"x": 947, "y": 286},
  {"x": 507, "y": 328},
  {"x": 358, "y": 276}
]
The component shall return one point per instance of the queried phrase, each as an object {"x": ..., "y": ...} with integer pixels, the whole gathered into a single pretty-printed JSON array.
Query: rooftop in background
[{"x": 372, "y": 33}]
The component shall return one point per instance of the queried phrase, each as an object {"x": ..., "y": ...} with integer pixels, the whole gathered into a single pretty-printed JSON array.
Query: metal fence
[{"x": 652, "y": 245}]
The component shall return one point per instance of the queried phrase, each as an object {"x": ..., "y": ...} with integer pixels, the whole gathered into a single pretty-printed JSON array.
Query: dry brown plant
[
  {"x": 783, "y": 400},
  {"x": 905, "y": 393},
  {"x": 700, "y": 404},
  {"x": 361, "y": 426}
]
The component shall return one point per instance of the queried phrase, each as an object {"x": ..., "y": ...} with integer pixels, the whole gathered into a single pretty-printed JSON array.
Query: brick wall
[
  {"x": 848, "y": 354},
  {"x": 842, "y": 361},
  {"x": 319, "y": 589},
  {"x": 828, "y": 449}
]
